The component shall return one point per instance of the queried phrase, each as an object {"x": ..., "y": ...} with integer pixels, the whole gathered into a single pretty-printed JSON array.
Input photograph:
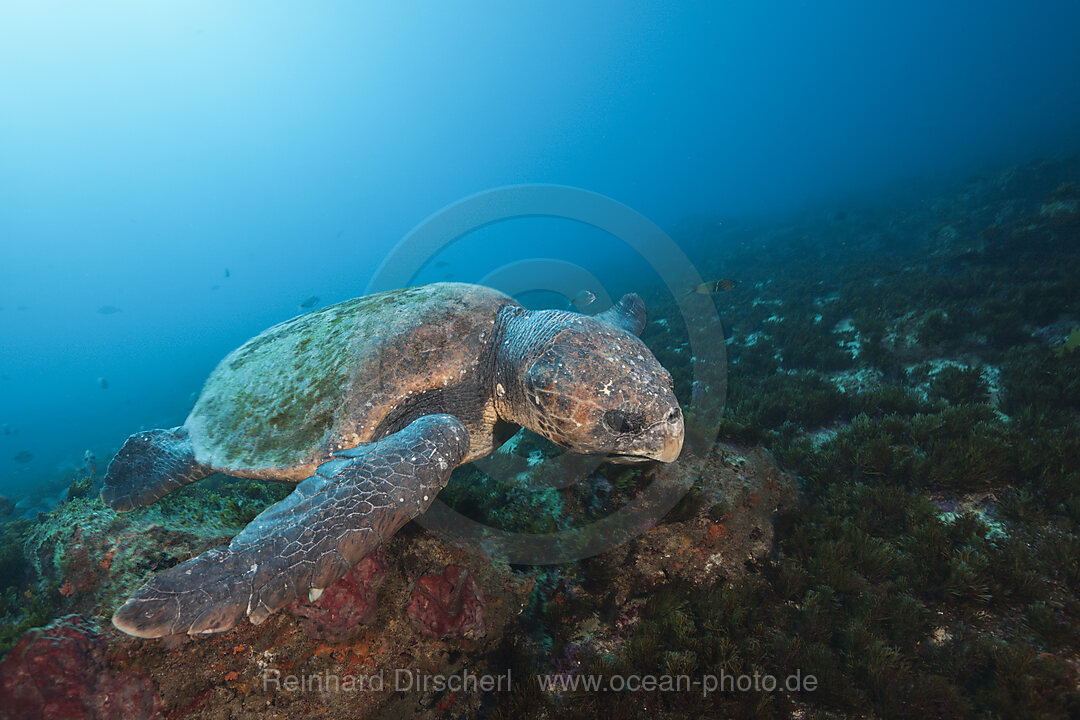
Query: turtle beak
[
  {"x": 672, "y": 434},
  {"x": 663, "y": 441},
  {"x": 672, "y": 448}
]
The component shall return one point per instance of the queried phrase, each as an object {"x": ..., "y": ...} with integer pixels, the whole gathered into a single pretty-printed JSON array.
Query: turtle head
[{"x": 588, "y": 384}]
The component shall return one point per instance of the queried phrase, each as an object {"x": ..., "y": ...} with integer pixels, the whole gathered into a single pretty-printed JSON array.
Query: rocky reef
[{"x": 418, "y": 603}]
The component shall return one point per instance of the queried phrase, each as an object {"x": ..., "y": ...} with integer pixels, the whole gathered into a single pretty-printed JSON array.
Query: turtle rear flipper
[
  {"x": 307, "y": 541},
  {"x": 150, "y": 465}
]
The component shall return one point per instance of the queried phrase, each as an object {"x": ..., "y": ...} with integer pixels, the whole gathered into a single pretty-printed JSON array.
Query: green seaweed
[
  {"x": 957, "y": 385},
  {"x": 933, "y": 566}
]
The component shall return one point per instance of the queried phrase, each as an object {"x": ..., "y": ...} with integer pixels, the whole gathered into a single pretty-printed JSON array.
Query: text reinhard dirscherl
[
  {"x": 409, "y": 679},
  {"x": 401, "y": 680}
]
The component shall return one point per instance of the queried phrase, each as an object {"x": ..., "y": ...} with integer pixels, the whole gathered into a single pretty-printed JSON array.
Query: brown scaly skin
[
  {"x": 587, "y": 386},
  {"x": 461, "y": 368}
]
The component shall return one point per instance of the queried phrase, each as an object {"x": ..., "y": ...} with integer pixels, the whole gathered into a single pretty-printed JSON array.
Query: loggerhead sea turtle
[{"x": 369, "y": 405}]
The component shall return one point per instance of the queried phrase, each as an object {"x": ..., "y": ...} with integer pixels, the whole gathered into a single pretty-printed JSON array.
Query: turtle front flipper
[
  {"x": 307, "y": 541},
  {"x": 151, "y": 465},
  {"x": 628, "y": 314}
]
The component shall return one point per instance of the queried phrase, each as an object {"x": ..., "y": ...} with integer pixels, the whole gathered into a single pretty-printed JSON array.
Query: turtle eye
[{"x": 623, "y": 422}]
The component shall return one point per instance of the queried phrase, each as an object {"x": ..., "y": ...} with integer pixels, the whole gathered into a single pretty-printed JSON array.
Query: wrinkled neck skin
[{"x": 518, "y": 337}]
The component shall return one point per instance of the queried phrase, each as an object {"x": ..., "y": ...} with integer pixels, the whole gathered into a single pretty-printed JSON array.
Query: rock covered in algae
[
  {"x": 337, "y": 613},
  {"x": 448, "y": 604},
  {"x": 60, "y": 672}
]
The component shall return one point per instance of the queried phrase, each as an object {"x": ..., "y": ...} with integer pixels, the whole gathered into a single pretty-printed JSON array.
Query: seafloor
[{"x": 892, "y": 506}]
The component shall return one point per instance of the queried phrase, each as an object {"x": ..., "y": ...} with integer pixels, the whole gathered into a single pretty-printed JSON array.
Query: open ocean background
[{"x": 175, "y": 177}]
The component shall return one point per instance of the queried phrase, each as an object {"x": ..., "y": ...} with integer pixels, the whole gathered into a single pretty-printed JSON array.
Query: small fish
[
  {"x": 309, "y": 303},
  {"x": 23, "y": 456},
  {"x": 226, "y": 272},
  {"x": 103, "y": 383},
  {"x": 698, "y": 391},
  {"x": 108, "y": 310},
  {"x": 721, "y": 285},
  {"x": 441, "y": 263},
  {"x": 584, "y": 298},
  {"x": 91, "y": 463},
  {"x": 1071, "y": 343},
  {"x": 215, "y": 287}
]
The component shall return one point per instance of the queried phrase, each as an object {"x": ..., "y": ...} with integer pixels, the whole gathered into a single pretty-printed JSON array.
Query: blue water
[{"x": 146, "y": 148}]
